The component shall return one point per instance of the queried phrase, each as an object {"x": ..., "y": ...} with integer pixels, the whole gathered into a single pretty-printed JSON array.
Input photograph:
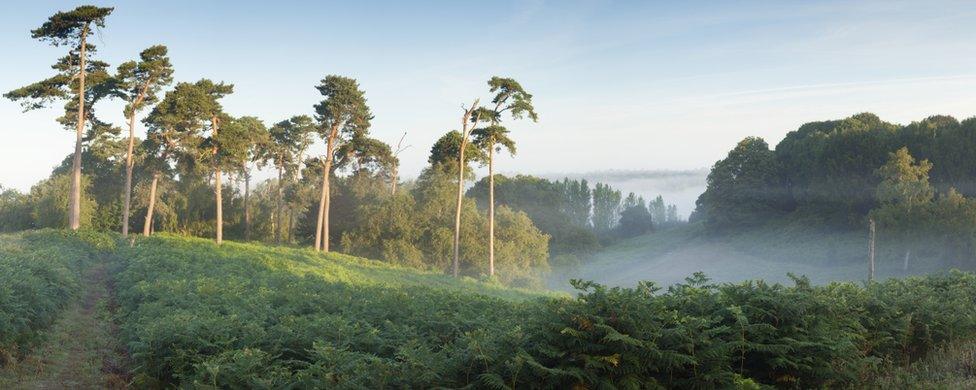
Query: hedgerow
[
  {"x": 38, "y": 278},
  {"x": 245, "y": 316}
]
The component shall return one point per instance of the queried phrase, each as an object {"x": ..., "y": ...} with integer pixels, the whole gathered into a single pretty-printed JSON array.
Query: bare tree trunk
[
  {"x": 871, "y": 230},
  {"x": 908, "y": 254},
  {"x": 396, "y": 167},
  {"x": 457, "y": 212},
  {"x": 74, "y": 214},
  {"x": 396, "y": 179},
  {"x": 465, "y": 129},
  {"x": 152, "y": 205},
  {"x": 491, "y": 209},
  {"x": 280, "y": 195},
  {"x": 217, "y": 187}
]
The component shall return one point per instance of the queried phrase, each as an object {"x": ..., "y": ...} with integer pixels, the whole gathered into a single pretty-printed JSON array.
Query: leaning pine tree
[
  {"x": 138, "y": 84},
  {"x": 70, "y": 29},
  {"x": 509, "y": 97},
  {"x": 341, "y": 116}
]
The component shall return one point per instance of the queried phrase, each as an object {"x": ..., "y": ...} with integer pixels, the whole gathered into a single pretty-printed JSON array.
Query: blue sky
[{"x": 618, "y": 85}]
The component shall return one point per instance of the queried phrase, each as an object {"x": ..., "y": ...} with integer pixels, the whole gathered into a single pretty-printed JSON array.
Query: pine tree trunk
[
  {"x": 327, "y": 188},
  {"x": 219, "y": 238},
  {"x": 491, "y": 209},
  {"x": 74, "y": 215},
  {"x": 318, "y": 221},
  {"x": 217, "y": 187},
  {"x": 126, "y": 207},
  {"x": 247, "y": 210},
  {"x": 128, "y": 176},
  {"x": 322, "y": 226},
  {"x": 291, "y": 226},
  {"x": 152, "y": 205},
  {"x": 280, "y": 195}
]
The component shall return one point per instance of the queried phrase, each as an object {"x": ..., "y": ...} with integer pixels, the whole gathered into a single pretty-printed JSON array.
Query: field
[{"x": 189, "y": 313}]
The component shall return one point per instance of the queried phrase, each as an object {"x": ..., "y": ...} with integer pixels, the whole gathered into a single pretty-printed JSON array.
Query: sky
[{"x": 618, "y": 85}]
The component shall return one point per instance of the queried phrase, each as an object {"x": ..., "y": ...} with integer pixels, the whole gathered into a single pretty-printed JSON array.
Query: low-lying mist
[{"x": 669, "y": 256}]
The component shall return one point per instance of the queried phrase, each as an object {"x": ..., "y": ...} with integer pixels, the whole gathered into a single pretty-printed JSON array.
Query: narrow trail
[{"x": 82, "y": 351}]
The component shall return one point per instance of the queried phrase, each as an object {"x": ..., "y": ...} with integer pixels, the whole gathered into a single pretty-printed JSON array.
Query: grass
[{"x": 80, "y": 348}]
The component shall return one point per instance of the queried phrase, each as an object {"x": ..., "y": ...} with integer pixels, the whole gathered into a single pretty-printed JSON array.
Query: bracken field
[{"x": 191, "y": 314}]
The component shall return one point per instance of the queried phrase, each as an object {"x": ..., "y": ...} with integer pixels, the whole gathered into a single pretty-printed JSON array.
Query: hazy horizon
[{"x": 618, "y": 85}]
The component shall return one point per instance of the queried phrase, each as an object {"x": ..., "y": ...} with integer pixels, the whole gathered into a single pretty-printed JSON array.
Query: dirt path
[{"x": 82, "y": 351}]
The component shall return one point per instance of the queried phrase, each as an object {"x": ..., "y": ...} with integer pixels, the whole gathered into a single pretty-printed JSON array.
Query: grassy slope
[
  {"x": 343, "y": 269},
  {"x": 251, "y": 315},
  {"x": 76, "y": 346},
  {"x": 667, "y": 257},
  {"x": 951, "y": 367}
]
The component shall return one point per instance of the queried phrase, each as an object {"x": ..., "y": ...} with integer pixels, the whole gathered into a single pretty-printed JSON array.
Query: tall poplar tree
[
  {"x": 70, "y": 29},
  {"x": 138, "y": 84},
  {"x": 341, "y": 116}
]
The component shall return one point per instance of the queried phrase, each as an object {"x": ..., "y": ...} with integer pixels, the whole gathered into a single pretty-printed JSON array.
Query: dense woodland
[{"x": 914, "y": 181}]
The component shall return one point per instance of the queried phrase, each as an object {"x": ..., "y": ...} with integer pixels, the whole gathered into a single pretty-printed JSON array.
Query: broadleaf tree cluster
[{"x": 915, "y": 180}]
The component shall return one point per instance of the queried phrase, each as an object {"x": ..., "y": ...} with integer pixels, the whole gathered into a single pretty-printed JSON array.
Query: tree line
[{"x": 193, "y": 172}]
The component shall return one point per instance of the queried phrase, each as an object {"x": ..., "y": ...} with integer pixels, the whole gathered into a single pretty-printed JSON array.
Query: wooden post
[{"x": 872, "y": 236}]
